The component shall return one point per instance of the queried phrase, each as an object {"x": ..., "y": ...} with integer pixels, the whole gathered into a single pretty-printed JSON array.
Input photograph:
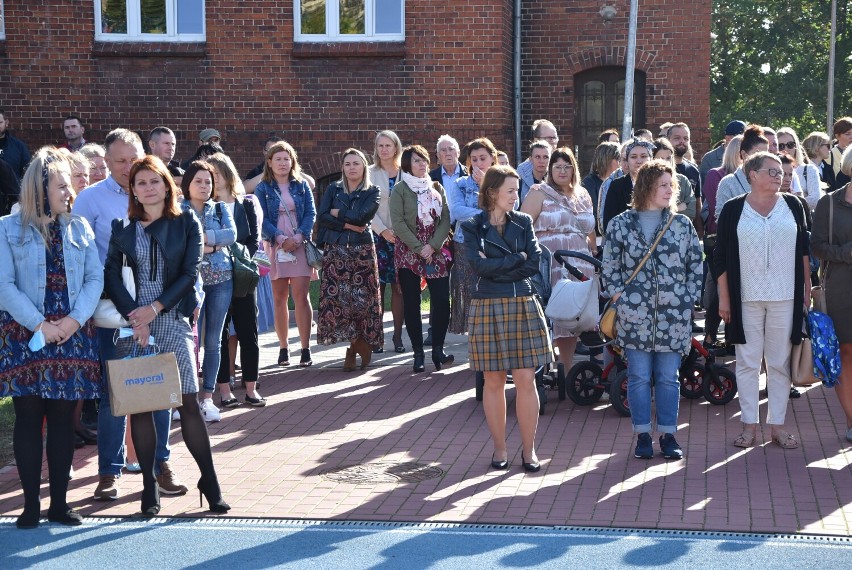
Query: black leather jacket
[
  {"x": 181, "y": 244},
  {"x": 356, "y": 208},
  {"x": 503, "y": 272},
  {"x": 245, "y": 218}
]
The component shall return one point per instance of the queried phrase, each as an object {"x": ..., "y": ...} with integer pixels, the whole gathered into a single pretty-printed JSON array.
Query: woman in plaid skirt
[{"x": 506, "y": 323}]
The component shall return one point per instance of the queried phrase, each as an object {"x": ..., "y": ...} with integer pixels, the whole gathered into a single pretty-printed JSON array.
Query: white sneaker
[
  {"x": 175, "y": 416},
  {"x": 210, "y": 411}
]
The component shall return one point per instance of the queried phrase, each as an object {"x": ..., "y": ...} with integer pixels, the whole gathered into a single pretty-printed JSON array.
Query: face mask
[{"x": 37, "y": 341}]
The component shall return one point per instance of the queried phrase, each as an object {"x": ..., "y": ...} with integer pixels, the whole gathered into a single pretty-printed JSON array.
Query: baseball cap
[
  {"x": 207, "y": 134},
  {"x": 733, "y": 129}
]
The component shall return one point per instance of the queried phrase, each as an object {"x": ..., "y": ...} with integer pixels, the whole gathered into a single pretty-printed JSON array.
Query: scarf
[{"x": 427, "y": 198}]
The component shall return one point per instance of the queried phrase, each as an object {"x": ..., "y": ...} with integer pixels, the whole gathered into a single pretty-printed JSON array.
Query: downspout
[{"x": 516, "y": 81}]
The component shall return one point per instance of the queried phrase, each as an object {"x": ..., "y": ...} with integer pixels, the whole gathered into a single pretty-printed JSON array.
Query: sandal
[
  {"x": 745, "y": 439},
  {"x": 785, "y": 440}
]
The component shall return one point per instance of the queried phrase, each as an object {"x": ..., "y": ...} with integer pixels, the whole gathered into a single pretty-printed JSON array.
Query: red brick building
[{"x": 338, "y": 71}]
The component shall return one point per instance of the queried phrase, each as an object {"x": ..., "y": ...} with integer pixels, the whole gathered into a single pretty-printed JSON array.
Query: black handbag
[{"x": 246, "y": 272}]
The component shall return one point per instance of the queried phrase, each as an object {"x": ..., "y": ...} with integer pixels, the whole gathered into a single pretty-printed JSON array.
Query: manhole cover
[{"x": 384, "y": 472}]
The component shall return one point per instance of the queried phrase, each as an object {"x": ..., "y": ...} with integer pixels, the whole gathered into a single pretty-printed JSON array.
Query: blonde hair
[
  {"x": 846, "y": 161},
  {"x": 226, "y": 168},
  {"x": 47, "y": 162},
  {"x": 731, "y": 159},
  {"x": 397, "y": 147},
  {"x": 365, "y": 180},
  {"x": 295, "y": 169}
]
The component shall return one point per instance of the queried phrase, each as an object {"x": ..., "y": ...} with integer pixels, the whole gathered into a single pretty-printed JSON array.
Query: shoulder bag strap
[
  {"x": 826, "y": 264},
  {"x": 650, "y": 251}
]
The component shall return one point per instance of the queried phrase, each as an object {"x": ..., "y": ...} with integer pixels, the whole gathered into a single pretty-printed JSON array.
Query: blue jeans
[
  {"x": 217, "y": 299},
  {"x": 641, "y": 365},
  {"x": 111, "y": 429}
]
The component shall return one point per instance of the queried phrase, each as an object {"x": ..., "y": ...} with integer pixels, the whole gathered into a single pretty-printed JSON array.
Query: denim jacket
[
  {"x": 464, "y": 203},
  {"x": 23, "y": 270},
  {"x": 219, "y": 229},
  {"x": 303, "y": 199}
]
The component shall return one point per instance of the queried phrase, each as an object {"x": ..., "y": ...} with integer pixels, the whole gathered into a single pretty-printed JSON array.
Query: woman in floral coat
[{"x": 655, "y": 309}]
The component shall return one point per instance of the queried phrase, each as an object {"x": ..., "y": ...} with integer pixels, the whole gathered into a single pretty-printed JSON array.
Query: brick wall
[
  {"x": 452, "y": 74},
  {"x": 562, "y": 39}
]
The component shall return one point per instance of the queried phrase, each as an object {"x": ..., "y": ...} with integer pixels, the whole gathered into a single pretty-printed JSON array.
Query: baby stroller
[
  {"x": 548, "y": 376},
  {"x": 586, "y": 382}
]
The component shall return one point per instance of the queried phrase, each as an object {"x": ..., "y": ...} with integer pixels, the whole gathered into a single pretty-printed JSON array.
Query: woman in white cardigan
[{"x": 384, "y": 173}]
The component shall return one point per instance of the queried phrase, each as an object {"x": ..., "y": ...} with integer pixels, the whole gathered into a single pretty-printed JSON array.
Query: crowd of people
[{"x": 472, "y": 231}]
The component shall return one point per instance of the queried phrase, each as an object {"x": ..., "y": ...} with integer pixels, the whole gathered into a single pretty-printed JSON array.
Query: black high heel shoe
[
  {"x": 397, "y": 344},
  {"x": 419, "y": 361},
  {"x": 530, "y": 467},
  {"x": 150, "y": 500},
  {"x": 500, "y": 465},
  {"x": 284, "y": 357},
  {"x": 211, "y": 491},
  {"x": 439, "y": 358}
]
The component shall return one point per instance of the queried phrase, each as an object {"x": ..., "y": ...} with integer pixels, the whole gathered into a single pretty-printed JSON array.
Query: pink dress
[
  {"x": 565, "y": 223},
  {"x": 298, "y": 268}
]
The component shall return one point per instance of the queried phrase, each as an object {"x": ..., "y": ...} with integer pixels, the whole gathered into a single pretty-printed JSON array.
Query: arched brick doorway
[{"x": 599, "y": 106}]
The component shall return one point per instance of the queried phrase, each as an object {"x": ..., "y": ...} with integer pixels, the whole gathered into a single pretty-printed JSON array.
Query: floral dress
[
  {"x": 565, "y": 223},
  {"x": 437, "y": 266},
  {"x": 70, "y": 371}
]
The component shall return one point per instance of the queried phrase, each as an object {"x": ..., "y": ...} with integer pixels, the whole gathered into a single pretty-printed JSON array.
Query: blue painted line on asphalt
[{"x": 262, "y": 543}]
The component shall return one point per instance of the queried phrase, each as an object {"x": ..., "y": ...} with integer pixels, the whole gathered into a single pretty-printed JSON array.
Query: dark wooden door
[{"x": 599, "y": 105}]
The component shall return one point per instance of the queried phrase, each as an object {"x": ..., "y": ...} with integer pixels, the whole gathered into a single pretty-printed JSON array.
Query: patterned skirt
[
  {"x": 349, "y": 304},
  {"x": 462, "y": 278},
  {"x": 384, "y": 258},
  {"x": 508, "y": 333}
]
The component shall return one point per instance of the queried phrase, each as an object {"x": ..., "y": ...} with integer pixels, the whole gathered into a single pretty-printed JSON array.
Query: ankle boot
[
  {"x": 349, "y": 361},
  {"x": 364, "y": 350},
  {"x": 419, "y": 361},
  {"x": 151, "y": 499},
  {"x": 439, "y": 358}
]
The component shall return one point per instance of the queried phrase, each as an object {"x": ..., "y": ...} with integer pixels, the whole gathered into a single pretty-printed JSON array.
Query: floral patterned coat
[{"x": 655, "y": 311}]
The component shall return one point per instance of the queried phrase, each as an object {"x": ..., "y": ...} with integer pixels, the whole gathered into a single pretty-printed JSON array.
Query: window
[
  {"x": 149, "y": 20},
  {"x": 349, "y": 20},
  {"x": 2, "y": 22}
]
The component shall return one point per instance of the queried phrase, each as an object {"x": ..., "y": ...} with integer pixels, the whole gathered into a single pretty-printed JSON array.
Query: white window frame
[
  {"x": 134, "y": 25},
  {"x": 332, "y": 25},
  {"x": 2, "y": 22}
]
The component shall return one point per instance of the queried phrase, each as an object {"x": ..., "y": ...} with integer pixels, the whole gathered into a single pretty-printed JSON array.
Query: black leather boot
[{"x": 419, "y": 361}]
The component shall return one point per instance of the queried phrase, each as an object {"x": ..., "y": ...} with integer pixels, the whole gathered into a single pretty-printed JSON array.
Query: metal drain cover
[{"x": 384, "y": 472}]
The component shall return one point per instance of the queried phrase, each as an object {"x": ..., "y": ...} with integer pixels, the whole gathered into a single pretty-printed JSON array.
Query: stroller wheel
[
  {"x": 582, "y": 383},
  {"x": 618, "y": 393},
  {"x": 692, "y": 382},
  {"x": 560, "y": 380},
  {"x": 542, "y": 398},
  {"x": 720, "y": 386}
]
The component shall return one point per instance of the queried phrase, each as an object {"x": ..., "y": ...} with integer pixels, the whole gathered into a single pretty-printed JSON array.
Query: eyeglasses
[
  {"x": 773, "y": 172},
  {"x": 563, "y": 168},
  {"x": 790, "y": 145}
]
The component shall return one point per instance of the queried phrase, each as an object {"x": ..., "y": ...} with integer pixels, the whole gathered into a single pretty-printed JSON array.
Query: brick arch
[
  {"x": 324, "y": 165},
  {"x": 587, "y": 58}
]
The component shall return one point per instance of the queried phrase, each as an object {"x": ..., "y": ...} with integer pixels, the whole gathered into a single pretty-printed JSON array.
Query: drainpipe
[{"x": 516, "y": 80}]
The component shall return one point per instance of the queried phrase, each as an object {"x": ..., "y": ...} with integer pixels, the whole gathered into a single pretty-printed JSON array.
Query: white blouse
[{"x": 767, "y": 253}]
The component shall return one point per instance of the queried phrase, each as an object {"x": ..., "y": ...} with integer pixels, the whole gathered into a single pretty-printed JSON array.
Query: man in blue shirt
[
  {"x": 100, "y": 204},
  {"x": 12, "y": 151}
]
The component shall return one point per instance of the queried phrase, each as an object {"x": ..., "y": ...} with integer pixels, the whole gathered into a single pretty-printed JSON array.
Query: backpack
[{"x": 826, "y": 348}]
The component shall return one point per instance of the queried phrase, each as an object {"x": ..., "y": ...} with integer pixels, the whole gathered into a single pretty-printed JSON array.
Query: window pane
[
  {"x": 114, "y": 16},
  {"x": 352, "y": 20},
  {"x": 190, "y": 16},
  {"x": 153, "y": 16},
  {"x": 313, "y": 16},
  {"x": 388, "y": 16}
]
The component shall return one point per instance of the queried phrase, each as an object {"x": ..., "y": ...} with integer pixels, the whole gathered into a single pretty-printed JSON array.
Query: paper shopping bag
[{"x": 143, "y": 384}]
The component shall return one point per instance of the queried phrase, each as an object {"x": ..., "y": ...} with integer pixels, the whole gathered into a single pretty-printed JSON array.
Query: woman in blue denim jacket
[
  {"x": 216, "y": 272},
  {"x": 50, "y": 281},
  {"x": 288, "y": 219},
  {"x": 464, "y": 204}
]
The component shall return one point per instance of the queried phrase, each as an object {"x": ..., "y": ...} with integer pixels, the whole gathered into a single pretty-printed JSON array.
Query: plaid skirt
[{"x": 507, "y": 333}]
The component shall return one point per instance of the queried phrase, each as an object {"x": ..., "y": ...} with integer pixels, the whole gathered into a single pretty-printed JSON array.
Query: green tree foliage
[{"x": 770, "y": 63}]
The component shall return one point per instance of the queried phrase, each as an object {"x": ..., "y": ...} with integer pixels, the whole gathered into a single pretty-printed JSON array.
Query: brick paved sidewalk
[{"x": 334, "y": 445}]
